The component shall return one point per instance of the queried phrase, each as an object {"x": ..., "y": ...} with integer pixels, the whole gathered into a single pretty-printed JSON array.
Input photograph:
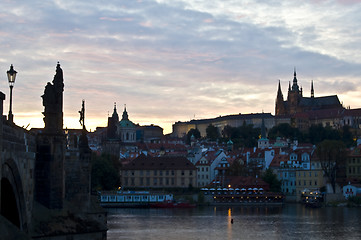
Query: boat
[
  {"x": 313, "y": 199},
  {"x": 172, "y": 204},
  {"x": 132, "y": 198}
]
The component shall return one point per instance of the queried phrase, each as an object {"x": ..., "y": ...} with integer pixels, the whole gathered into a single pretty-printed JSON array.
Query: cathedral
[{"x": 297, "y": 103}]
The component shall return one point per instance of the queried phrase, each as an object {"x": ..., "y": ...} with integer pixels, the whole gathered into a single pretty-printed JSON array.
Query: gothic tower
[
  {"x": 280, "y": 106},
  {"x": 294, "y": 95}
]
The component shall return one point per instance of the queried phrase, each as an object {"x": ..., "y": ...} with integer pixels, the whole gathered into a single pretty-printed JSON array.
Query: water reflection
[{"x": 288, "y": 222}]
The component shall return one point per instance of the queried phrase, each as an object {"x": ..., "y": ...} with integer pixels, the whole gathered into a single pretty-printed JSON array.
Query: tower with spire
[
  {"x": 294, "y": 95},
  {"x": 280, "y": 106},
  {"x": 112, "y": 124}
]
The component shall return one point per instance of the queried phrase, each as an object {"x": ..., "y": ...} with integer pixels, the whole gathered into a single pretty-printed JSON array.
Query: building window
[
  {"x": 167, "y": 181},
  {"x": 182, "y": 172},
  {"x": 172, "y": 172},
  {"x": 141, "y": 172},
  {"x": 126, "y": 181},
  {"x": 148, "y": 172},
  {"x": 160, "y": 173},
  {"x": 167, "y": 172},
  {"x": 173, "y": 181},
  {"x": 155, "y": 181},
  {"x": 190, "y": 172},
  {"x": 132, "y": 181},
  {"x": 147, "y": 181},
  {"x": 141, "y": 181},
  {"x": 155, "y": 172},
  {"x": 182, "y": 181},
  {"x": 125, "y": 173},
  {"x": 132, "y": 173},
  {"x": 160, "y": 181}
]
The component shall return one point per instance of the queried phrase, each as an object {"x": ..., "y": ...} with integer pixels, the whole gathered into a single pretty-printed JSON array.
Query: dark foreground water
[{"x": 288, "y": 222}]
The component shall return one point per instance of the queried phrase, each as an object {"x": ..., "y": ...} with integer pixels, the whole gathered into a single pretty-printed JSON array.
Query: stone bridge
[
  {"x": 45, "y": 183},
  {"x": 18, "y": 151}
]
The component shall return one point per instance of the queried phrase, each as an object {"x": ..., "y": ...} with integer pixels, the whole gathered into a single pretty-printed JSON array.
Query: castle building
[{"x": 297, "y": 103}]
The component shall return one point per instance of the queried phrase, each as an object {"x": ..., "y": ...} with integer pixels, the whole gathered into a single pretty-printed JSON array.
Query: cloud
[{"x": 169, "y": 60}]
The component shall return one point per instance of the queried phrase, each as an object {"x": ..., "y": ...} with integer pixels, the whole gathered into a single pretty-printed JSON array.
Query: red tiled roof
[
  {"x": 278, "y": 159},
  {"x": 159, "y": 163}
]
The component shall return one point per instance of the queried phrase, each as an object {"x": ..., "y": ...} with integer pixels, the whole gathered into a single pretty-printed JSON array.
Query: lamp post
[{"x": 11, "y": 78}]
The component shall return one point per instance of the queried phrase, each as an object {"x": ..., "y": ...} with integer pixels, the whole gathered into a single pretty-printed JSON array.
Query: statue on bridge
[{"x": 53, "y": 103}]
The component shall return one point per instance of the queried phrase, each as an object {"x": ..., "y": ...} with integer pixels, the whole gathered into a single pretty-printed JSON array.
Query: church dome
[{"x": 125, "y": 122}]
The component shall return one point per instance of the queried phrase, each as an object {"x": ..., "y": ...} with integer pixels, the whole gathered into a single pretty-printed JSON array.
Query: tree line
[{"x": 247, "y": 135}]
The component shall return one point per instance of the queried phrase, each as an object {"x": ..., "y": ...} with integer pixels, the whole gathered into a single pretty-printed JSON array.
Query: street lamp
[{"x": 11, "y": 77}]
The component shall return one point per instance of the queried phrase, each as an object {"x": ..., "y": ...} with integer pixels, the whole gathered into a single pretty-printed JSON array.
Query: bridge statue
[{"x": 53, "y": 103}]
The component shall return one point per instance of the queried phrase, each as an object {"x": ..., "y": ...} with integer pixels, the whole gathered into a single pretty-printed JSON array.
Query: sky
[{"x": 176, "y": 60}]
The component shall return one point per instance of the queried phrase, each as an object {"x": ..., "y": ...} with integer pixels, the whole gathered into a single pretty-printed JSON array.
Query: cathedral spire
[
  {"x": 295, "y": 85},
  {"x": 279, "y": 92},
  {"x": 312, "y": 91},
  {"x": 125, "y": 114},
  {"x": 115, "y": 114}
]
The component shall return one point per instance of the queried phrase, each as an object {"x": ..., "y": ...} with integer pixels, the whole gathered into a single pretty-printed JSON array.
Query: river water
[{"x": 292, "y": 221}]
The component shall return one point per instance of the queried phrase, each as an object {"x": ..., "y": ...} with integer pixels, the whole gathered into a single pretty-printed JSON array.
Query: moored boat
[{"x": 132, "y": 198}]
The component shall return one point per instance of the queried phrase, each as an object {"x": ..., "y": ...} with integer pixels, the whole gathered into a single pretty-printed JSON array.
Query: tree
[
  {"x": 212, "y": 132},
  {"x": 318, "y": 133},
  {"x": 237, "y": 169},
  {"x": 347, "y": 136},
  {"x": 269, "y": 177},
  {"x": 105, "y": 172},
  {"x": 243, "y": 136},
  {"x": 285, "y": 130},
  {"x": 193, "y": 132},
  {"x": 249, "y": 135},
  {"x": 230, "y": 132},
  {"x": 332, "y": 156}
]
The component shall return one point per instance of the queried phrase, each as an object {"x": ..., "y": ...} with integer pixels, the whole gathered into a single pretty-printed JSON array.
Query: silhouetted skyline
[{"x": 176, "y": 60}]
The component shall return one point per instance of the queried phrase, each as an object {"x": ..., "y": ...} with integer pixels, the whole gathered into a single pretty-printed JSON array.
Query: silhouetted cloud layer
[{"x": 176, "y": 60}]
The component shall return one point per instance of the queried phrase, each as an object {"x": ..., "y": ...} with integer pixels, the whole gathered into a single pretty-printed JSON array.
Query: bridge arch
[{"x": 12, "y": 195}]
